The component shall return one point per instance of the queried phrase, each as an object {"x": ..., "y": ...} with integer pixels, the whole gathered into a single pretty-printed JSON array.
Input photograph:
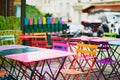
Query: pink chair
[{"x": 57, "y": 46}]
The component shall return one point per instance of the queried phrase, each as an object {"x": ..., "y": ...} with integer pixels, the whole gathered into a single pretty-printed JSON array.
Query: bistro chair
[
  {"x": 108, "y": 34},
  {"x": 85, "y": 54},
  {"x": 40, "y": 44},
  {"x": 7, "y": 39},
  {"x": 72, "y": 42},
  {"x": 25, "y": 41},
  {"x": 40, "y": 34},
  {"x": 28, "y": 39},
  {"x": 40, "y": 40},
  {"x": 58, "y": 39},
  {"x": 105, "y": 60},
  {"x": 43, "y": 36},
  {"x": 57, "y": 46}
]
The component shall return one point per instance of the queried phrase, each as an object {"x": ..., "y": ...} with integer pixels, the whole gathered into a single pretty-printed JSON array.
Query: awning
[{"x": 112, "y": 7}]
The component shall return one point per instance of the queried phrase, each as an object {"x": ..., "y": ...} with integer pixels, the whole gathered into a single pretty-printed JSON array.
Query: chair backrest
[
  {"x": 103, "y": 48},
  {"x": 60, "y": 46},
  {"x": 87, "y": 53},
  {"x": 40, "y": 40},
  {"x": 40, "y": 44},
  {"x": 40, "y": 34},
  {"x": 86, "y": 49},
  {"x": 5, "y": 38},
  {"x": 58, "y": 39},
  {"x": 101, "y": 44},
  {"x": 72, "y": 42},
  {"x": 107, "y": 34}
]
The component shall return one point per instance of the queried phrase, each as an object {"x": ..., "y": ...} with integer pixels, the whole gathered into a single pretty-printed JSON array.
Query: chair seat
[
  {"x": 108, "y": 61},
  {"x": 72, "y": 71},
  {"x": 86, "y": 57}
]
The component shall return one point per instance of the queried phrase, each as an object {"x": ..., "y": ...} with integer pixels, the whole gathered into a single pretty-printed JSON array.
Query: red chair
[
  {"x": 40, "y": 44},
  {"x": 40, "y": 40},
  {"x": 72, "y": 42}
]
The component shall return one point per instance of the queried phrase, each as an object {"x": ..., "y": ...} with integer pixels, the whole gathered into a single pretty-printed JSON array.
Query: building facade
[{"x": 68, "y": 9}]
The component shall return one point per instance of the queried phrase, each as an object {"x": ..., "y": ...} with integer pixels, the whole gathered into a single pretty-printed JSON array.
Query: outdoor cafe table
[
  {"x": 26, "y": 54},
  {"x": 115, "y": 50},
  {"x": 116, "y": 44},
  {"x": 111, "y": 41},
  {"x": 96, "y": 39}
]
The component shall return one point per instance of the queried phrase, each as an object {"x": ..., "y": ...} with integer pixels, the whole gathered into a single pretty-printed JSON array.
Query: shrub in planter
[
  {"x": 2, "y": 23},
  {"x": 13, "y": 23}
]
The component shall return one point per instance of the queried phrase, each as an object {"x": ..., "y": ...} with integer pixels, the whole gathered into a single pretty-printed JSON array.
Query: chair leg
[{"x": 77, "y": 77}]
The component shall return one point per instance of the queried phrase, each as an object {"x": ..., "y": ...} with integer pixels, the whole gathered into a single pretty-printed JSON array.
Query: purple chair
[{"x": 105, "y": 59}]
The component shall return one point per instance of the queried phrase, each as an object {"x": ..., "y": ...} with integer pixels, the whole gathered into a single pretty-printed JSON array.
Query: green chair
[
  {"x": 7, "y": 39},
  {"x": 107, "y": 34}
]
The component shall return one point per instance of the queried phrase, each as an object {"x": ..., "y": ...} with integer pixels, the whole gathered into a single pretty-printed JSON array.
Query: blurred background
[{"x": 84, "y": 17}]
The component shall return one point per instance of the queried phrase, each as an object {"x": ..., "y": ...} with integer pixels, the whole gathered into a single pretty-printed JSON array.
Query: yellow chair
[{"x": 82, "y": 64}]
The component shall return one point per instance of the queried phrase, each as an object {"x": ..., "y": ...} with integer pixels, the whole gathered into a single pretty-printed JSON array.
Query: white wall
[{"x": 59, "y": 8}]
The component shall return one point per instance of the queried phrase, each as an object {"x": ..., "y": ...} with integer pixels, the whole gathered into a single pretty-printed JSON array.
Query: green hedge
[
  {"x": 2, "y": 23},
  {"x": 10, "y": 23},
  {"x": 33, "y": 12},
  {"x": 13, "y": 23}
]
